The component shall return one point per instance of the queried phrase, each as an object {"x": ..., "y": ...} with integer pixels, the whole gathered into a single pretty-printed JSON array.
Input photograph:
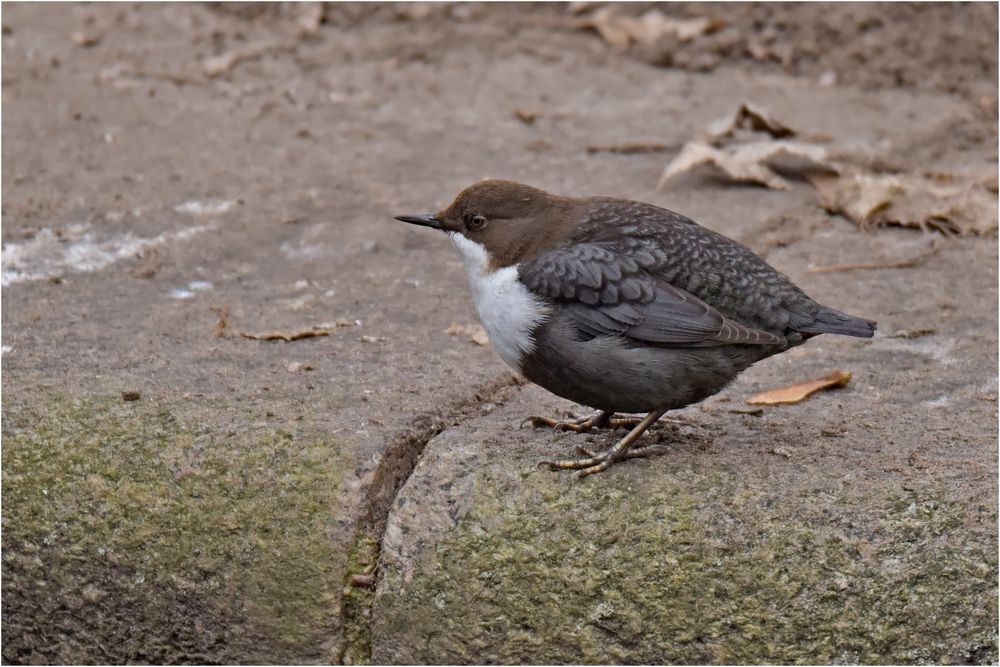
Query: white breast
[{"x": 507, "y": 310}]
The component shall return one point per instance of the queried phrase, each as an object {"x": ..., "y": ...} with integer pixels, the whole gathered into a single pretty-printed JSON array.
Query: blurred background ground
[{"x": 175, "y": 176}]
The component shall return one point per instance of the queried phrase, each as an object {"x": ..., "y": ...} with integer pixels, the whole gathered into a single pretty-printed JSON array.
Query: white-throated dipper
[{"x": 620, "y": 305}]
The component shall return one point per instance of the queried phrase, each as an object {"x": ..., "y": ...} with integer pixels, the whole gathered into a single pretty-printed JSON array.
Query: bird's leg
[
  {"x": 632, "y": 422},
  {"x": 621, "y": 450},
  {"x": 599, "y": 419}
]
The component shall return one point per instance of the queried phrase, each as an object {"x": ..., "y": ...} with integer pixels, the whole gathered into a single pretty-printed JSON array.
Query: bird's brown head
[{"x": 510, "y": 221}]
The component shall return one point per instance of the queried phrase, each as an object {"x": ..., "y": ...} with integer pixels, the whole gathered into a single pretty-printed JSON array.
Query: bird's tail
[{"x": 829, "y": 320}]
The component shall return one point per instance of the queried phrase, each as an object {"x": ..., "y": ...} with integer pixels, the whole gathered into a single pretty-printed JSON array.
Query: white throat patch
[{"x": 507, "y": 310}]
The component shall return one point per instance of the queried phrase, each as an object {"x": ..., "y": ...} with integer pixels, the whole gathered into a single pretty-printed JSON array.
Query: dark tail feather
[{"x": 828, "y": 320}]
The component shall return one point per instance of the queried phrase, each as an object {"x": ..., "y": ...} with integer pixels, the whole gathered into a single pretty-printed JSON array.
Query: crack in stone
[{"x": 397, "y": 462}]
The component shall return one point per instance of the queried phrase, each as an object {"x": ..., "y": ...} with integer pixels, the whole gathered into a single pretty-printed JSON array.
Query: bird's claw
[
  {"x": 576, "y": 424},
  {"x": 595, "y": 463},
  {"x": 624, "y": 422}
]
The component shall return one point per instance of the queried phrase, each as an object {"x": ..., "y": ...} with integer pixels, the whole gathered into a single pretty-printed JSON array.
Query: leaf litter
[
  {"x": 796, "y": 393},
  {"x": 749, "y": 117},
  {"x": 319, "y": 330},
  {"x": 747, "y": 163},
  {"x": 751, "y": 146},
  {"x": 954, "y": 204}
]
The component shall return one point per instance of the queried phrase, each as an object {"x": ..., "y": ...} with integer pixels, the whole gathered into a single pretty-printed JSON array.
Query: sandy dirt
[{"x": 175, "y": 176}]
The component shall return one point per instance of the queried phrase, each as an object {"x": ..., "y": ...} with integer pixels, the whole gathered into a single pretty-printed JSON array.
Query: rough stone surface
[{"x": 176, "y": 492}]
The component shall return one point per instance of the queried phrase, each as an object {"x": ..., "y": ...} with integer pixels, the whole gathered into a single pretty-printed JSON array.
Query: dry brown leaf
[
  {"x": 473, "y": 332},
  {"x": 314, "y": 332},
  {"x": 796, "y": 393},
  {"x": 748, "y": 163},
  {"x": 950, "y": 203},
  {"x": 324, "y": 329},
  {"x": 621, "y": 31},
  {"x": 851, "y": 181},
  {"x": 749, "y": 117}
]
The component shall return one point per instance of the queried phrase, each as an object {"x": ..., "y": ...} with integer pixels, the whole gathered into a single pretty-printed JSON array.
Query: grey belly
[{"x": 609, "y": 373}]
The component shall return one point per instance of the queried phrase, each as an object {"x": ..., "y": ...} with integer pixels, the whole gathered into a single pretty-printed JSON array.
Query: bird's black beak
[{"x": 424, "y": 219}]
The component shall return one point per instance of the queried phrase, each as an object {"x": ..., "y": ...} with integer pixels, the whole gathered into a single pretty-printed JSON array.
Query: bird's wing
[
  {"x": 722, "y": 273},
  {"x": 610, "y": 292}
]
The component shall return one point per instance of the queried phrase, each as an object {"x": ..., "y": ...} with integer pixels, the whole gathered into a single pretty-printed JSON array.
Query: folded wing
[{"x": 608, "y": 292}]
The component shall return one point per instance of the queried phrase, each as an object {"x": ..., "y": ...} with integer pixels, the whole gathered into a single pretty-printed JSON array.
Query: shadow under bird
[{"x": 619, "y": 305}]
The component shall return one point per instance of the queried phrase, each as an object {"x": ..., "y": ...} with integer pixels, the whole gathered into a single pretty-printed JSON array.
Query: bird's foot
[
  {"x": 594, "y": 463},
  {"x": 599, "y": 419},
  {"x": 591, "y": 462}
]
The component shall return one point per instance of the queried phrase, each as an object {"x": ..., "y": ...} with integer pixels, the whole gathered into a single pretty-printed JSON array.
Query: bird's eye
[{"x": 474, "y": 222}]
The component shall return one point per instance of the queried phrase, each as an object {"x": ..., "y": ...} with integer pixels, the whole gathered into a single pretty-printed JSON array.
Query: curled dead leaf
[
  {"x": 950, "y": 203},
  {"x": 852, "y": 181},
  {"x": 287, "y": 335},
  {"x": 749, "y": 163},
  {"x": 324, "y": 329},
  {"x": 749, "y": 117},
  {"x": 796, "y": 393}
]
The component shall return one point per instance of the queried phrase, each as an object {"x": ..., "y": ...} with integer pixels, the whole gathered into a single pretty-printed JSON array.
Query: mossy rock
[
  {"x": 695, "y": 564},
  {"x": 140, "y": 532}
]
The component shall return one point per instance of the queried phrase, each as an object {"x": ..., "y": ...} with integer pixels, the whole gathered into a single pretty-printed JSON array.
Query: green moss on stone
[
  {"x": 131, "y": 534},
  {"x": 357, "y": 601},
  {"x": 693, "y": 567}
]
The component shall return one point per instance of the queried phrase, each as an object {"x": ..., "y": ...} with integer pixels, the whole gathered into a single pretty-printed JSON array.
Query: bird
[{"x": 619, "y": 305}]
